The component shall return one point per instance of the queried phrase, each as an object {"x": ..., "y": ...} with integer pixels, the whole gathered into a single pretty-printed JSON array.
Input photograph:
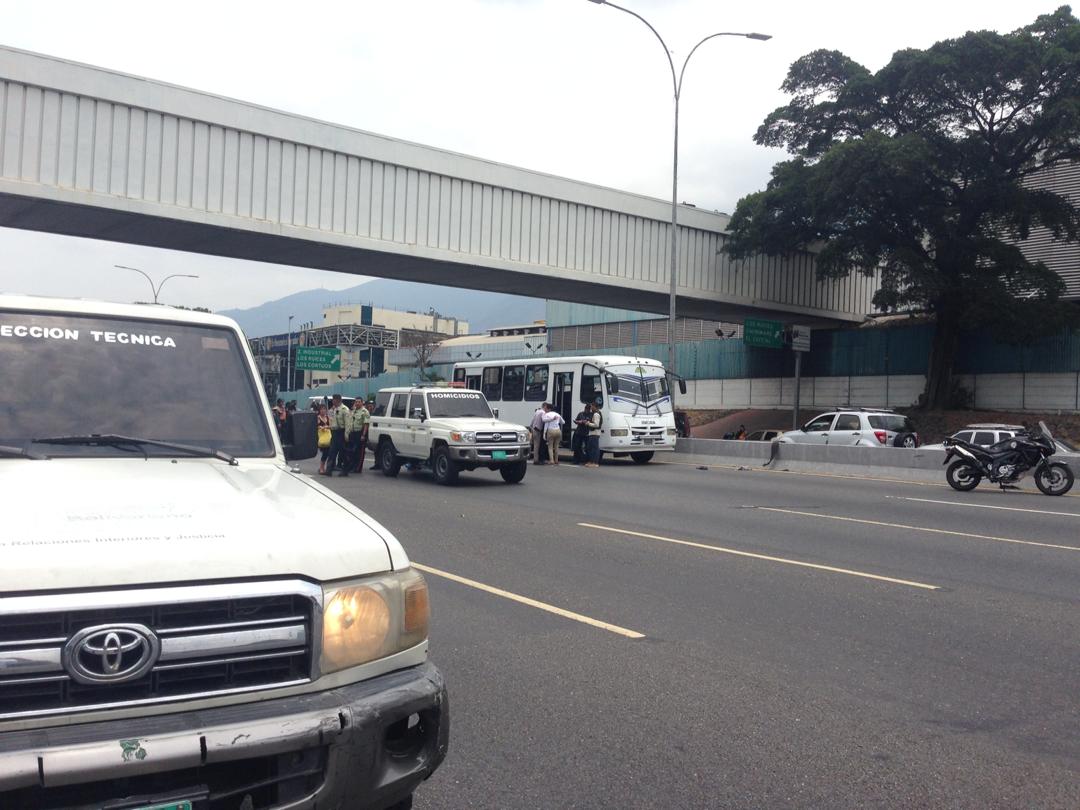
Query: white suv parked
[
  {"x": 448, "y": 430},
  {"x": 856, "y": 427}
]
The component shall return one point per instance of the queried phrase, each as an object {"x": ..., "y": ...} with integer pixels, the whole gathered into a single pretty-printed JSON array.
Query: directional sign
[
  {"x": 763, "y": 334},
  {"x": 318, "y": 358},
  {"x": 800, "y": 338}
]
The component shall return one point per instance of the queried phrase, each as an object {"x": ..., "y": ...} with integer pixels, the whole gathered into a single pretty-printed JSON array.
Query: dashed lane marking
[
  {"x": 917, "y": 528},
  {"x": 984, "y": 506},
  {"x": 525, "y": 600},
  {"x": 738, "y": 553}
]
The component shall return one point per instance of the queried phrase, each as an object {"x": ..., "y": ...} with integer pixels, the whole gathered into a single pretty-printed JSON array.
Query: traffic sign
[
  {"x": 800, "y": 338},
  {"x": 763, "y": 334},
  {"x": 318, "y": 358}
]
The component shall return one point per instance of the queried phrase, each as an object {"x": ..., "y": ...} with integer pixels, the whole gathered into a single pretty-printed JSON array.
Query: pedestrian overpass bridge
[{"x": 90, "y": 152}]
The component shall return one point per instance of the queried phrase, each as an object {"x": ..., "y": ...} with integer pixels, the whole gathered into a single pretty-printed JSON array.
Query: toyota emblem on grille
[
  {"x": 496, "y": 437},
  {"x": 111, "y": 653}
]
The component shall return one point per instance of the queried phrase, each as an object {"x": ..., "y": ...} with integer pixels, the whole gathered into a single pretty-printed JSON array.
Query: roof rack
[{"x": 863, "y": 408}]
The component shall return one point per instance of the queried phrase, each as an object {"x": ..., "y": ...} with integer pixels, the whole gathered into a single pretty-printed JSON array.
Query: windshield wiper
[
  {"x": 112, "y": 440},
  {"x": 20, "y": 452}
]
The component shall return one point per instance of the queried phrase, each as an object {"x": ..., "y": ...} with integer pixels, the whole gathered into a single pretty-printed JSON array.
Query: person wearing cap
[
  {"x": 357, "y": 438},
  {"x": 339, "y": 426}
]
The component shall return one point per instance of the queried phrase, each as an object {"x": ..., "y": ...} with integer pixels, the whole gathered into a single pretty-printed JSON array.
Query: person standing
[
  {"x": 595, "y": 425},
  {"x": 322, "y": 428},
  {"x": 536, "y": 426},
  {"x": 580, "y": 437},
  {"x": 553, "y": 424},
  {"x": 339, "y": 426},
  {"x": 358, "y": 433}
]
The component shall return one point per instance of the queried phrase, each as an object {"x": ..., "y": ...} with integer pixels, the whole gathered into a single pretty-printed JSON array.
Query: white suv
[
  {"x": 448, "y": 430},
  {"x": 856, "y": 427},
  {"x": 169, "y": 637}
]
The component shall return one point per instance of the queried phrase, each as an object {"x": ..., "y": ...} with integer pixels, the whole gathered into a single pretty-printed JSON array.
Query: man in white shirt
[{"x": 537, "y": 428}]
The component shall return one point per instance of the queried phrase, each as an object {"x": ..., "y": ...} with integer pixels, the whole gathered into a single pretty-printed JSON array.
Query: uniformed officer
[
  {"x": 357, "y": 437},
  {"x": 339, "y": 425}
]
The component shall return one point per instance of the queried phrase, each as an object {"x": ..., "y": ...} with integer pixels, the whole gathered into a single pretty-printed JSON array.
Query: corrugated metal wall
[
  {"x": 63, "y": 140},
  {"x": 1061, "y": 257}
]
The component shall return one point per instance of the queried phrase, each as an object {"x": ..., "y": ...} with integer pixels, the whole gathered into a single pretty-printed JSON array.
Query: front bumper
[
  {"x": 482, "y": 453},
  {"x": 368, "y": 744}
]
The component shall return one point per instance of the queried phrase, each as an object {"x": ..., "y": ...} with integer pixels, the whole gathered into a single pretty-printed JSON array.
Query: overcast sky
[{"x": 560, "y": 86}]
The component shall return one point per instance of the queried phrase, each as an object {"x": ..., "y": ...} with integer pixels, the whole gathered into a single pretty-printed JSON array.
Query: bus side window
[
  {"x": 513, "y": 383},
  {"x": 591, "y": 387},
  {"x": 536, "y": 383},
  {"x": 492, "y": 387},
  {"x": 459, "y": 375}
]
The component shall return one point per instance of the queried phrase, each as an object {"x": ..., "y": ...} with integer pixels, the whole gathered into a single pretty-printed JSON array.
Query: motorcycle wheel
[
  {"x": 962, "y": 476},
  {"x": 1054, "y": 479}
]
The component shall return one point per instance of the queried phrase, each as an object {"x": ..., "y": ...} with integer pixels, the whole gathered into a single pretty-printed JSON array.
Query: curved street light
[
  {"x": 155, "y": 290},
  {"x": 676, "y": 85}
]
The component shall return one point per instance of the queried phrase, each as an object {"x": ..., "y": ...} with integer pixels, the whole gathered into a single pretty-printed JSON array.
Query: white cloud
[{"x": 562, "y": 86}]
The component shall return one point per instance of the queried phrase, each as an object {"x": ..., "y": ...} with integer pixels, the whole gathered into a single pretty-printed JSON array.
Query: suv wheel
[
  {"x": 906, "y": 440},
  {"x": 389, "y": 462},
  {"x": 513, "y": 473},
  {"x": 445, "y": 468}
]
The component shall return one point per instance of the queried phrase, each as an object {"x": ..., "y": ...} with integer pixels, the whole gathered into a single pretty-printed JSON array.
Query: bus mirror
[
  {"x": 612, "y": 384},
  {"x": 682, "y": 386}
]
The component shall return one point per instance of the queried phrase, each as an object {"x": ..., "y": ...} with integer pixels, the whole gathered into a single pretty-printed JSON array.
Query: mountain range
[{"x": 483, "y": 310}]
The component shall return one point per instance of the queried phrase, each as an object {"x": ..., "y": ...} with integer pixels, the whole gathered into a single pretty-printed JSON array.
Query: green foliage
[{"x": 918, "y": 172}]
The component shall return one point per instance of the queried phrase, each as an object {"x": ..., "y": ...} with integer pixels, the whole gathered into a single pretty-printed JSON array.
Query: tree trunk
[{"x": 939, "y": 371}]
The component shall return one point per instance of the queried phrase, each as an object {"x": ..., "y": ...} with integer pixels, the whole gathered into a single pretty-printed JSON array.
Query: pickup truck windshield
[
  {"x": 78, "y": 375},
  {"x": 457, "y": 404}
]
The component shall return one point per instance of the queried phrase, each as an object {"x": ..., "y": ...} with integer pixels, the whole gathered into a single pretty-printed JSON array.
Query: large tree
[{"x": 923, "y": 171}]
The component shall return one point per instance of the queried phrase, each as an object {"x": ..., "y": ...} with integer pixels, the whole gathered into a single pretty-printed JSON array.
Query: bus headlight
[
  {"x": 672, "y": 432},
  {"x": 619, "y": 432},
  {"x": 368, "y": 619}
]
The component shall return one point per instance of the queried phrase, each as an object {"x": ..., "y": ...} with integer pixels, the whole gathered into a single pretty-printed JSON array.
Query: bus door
[
  {"x": 472, "y": 381},
  {"x": 562, "y": 398}
]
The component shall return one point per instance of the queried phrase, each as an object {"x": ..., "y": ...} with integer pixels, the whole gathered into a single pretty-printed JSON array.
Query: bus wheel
[{"x": 643, "y": 457}]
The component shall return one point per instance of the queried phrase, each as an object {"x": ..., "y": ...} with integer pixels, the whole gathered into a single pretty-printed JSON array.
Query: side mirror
[
  {"x": 613, "y": 383},
  {"x": 495, "y": 412},
  {"x": 682, "y": 386},
  {"x": 418, "y": 413}
]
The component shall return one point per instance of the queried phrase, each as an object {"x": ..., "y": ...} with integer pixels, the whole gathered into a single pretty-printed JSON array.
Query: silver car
[{"x": 856, "y": 427}]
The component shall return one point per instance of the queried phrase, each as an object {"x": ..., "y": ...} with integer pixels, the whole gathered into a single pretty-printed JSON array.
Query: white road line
[
  {"x": 984, "y": 506},
  {"x": 558, "y": 611},
  {"x": 766, "y": 557},
  {"x": 918, "y": 528}
]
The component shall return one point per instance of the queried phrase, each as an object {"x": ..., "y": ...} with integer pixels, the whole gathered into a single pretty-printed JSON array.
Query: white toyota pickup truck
[{"x": 170, "y": 637}]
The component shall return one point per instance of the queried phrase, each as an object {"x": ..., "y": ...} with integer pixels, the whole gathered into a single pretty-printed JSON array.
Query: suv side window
[
  {"x": 847, "y": 421},
  {"x": 416, "y": 401},
  {"x": 984, "y": 437},
  {"x": 381, "y": 401},
  {"x": 823, "y": 422},
  {"x": 397, "y": 407}
]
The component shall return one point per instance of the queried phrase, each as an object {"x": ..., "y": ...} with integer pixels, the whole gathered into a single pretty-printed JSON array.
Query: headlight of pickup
[
  {"x": 619, "y": 431},
  {"x": 467, "y": 438},
  {"x": 371, "y": 618},
  {"x": 523, "y": 437}
]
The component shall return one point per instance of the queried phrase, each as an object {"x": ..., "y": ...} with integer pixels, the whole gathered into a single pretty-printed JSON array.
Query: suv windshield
[
  {"x": 77, "y": 375},
  {"x": 892, "y": 421},
  {"x": 455, "y": 404}
]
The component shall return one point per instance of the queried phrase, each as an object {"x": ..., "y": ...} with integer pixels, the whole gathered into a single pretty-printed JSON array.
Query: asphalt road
[{"x": 926, "y": 657}]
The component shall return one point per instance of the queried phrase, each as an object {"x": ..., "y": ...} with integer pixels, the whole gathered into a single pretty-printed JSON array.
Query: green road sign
[
  {"x": 318, "y": 358},
  {"x": 763, "y": 334}
]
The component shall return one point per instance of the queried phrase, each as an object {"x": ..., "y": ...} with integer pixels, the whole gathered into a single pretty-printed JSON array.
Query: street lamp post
[
  {"x": 676, "y": 84},
  {"x": 288, "y": 355},
  {"x": 155, "y": 290}
]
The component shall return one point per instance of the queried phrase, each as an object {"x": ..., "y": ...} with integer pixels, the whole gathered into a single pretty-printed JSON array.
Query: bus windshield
[{"x": 641, "y": 386}]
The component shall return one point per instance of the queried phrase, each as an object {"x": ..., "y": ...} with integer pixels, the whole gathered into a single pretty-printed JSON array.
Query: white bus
[{"x": 632, "y": 393}]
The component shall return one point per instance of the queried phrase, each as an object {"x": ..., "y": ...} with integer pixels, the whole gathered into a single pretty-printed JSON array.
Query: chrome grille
[
  {"x": 647, "y": 435},
  {"x": 504, "y": 437},
  {"x": 213, "y": 640}
]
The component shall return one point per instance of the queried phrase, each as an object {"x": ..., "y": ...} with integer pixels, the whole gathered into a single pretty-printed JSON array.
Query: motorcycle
[{"x": 1008, "y": 461}]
